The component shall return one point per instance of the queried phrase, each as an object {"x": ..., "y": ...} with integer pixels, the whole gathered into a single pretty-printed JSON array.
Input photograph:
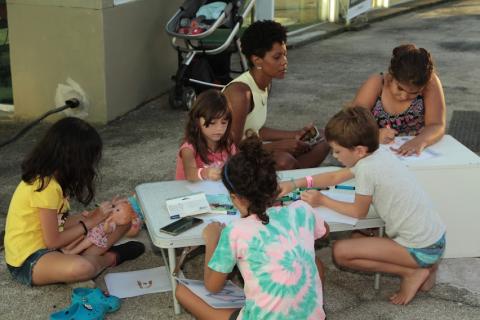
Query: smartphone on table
[{"x": 181, "y": 225}]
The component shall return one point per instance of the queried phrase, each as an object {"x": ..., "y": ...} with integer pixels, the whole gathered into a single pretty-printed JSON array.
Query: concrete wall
[
  {"x": 139, "y": 59},
  {"x": 119, "y": 55}
]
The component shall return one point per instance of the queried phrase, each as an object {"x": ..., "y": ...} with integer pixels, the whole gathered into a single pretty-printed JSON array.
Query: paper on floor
[
  {"x": 137, "y": 283},
  {"x": 231, "y": 296}
]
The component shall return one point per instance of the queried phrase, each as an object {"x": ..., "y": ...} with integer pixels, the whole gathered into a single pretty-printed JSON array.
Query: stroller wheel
[
  {"x": 188, "y": 97},
  {"x": 174, "y": 101}
]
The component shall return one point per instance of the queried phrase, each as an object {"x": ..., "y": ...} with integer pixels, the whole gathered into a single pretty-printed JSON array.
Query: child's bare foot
[
  {"x": 409, "y": 286},
  {"x": 432, "y": 277}
]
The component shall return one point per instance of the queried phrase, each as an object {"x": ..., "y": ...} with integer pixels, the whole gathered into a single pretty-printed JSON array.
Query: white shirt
[{"x": 410, "y": 217}]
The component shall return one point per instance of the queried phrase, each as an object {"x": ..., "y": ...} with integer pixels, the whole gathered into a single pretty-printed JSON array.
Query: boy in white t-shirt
[{"x": 416, "y": 234}]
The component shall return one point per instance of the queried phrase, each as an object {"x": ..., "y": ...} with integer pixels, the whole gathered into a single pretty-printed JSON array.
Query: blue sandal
[
  {"x": 95, "y": 297},
  {"x": 78, "y": 311}
]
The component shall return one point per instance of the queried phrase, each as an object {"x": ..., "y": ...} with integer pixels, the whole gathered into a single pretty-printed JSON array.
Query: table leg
[
  {"x": 376, "y": 282},
  {"x": 172, "y": 263}
]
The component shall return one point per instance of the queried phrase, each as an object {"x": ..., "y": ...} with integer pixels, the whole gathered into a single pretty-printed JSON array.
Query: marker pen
[
  {"x": 344, "y": 187},
  {"x": 314, "y": 188}
]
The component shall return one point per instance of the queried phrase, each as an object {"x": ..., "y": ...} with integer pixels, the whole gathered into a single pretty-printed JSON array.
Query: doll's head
[{"x": 123, "y": 214}]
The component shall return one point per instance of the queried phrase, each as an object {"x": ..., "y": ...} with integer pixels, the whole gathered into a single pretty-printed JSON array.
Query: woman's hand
[
  {"x": 212, "y": 232},
  {"x": 301, "y": 133},
  {"x": 286, "y": 187},
  {"x": 414, "y": 146},
  {"x": 387, "y": 135},
  {"x": 313, "y": 197},
  {"x": 293, "y": 146}
]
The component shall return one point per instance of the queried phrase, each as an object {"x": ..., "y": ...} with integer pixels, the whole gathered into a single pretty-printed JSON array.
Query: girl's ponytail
[{"x": 251, "y": 174}]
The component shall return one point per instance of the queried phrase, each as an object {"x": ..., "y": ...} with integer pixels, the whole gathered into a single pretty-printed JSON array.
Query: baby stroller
[{"x": 205, "y": 34}]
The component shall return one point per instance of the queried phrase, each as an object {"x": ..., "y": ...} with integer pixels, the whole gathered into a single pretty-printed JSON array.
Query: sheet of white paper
[
  {"x": 222, "y": 218},
  {"x": 137, "y": 283},
  {"x": 332, "y": 216},
  {"x": 426, "y": 154},
  {"x": 208, "y": 187},
  {"x": 341, "y": 196},
  {"x": 231, "y": 296}
]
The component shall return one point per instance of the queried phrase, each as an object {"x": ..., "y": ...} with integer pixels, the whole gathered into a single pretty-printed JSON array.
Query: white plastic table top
[
  {"x": 452, "y": 154},
  {"x": 152, "y": 198}
]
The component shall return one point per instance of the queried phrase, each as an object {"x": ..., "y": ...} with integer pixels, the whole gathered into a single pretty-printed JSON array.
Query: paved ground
[{"x": 141, "y": 146}]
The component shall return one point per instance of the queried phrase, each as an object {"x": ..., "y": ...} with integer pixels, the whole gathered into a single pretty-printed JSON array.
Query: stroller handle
[{"x": 217, "y": 23}]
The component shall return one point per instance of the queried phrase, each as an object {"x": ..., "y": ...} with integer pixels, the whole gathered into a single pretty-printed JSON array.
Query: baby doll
[{"x": 122, "y": 214}]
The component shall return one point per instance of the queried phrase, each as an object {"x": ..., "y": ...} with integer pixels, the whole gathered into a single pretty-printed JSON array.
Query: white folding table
[
  {"x": 452, "y": 180},
  {"x": 152, "y": 198}
]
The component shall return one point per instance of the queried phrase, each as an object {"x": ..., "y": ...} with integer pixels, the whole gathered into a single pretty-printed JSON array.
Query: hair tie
[{"x": 225, "y": 174}]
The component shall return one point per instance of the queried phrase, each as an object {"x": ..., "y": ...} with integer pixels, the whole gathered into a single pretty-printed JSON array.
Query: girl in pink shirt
[{"x": 208, "y": 139}]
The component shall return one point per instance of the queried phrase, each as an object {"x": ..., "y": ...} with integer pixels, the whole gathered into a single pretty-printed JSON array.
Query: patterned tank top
[{"x": 409, "y": 122}]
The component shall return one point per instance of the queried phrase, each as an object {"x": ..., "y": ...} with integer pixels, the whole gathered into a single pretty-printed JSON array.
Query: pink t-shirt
[{"x": 217, "y": 159}]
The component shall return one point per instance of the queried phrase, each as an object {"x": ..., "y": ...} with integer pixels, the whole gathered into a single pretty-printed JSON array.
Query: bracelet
[
  {"x": 199, "y": 173},
  {"x": 309, "y": 181},
  {"x": 85, "y": 229}
]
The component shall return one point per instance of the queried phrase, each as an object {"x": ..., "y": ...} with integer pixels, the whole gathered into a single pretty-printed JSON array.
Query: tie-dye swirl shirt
[{"x": 277, "y": 262}]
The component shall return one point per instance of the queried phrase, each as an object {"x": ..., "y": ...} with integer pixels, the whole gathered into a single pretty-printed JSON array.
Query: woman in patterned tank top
[{"x": 407, "y": 100}]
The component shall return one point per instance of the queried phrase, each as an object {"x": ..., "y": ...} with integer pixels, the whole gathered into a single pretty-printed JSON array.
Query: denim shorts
[
  {"x": 23, "y": 274},
  {"x": 427, "y": 257}
]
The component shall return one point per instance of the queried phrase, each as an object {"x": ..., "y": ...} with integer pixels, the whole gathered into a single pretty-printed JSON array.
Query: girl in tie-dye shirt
[{"x": 273, "y": 247}]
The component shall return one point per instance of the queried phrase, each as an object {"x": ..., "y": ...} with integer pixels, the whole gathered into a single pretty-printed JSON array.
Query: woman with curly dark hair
[
  {"x": 272, "y": 246},
  {"x": 264, "y": 46},
  {"x": 62, "y": 167},
  {"x": 407, "y": 100}
]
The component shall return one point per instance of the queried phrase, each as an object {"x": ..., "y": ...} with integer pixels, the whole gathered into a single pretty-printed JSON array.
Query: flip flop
[
  {"x": 80, "y": 311},
  {"x": 95, "y": 297}
]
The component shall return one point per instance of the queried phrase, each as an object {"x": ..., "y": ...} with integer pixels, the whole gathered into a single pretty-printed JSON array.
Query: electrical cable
[{"x": 69, "y": 104}]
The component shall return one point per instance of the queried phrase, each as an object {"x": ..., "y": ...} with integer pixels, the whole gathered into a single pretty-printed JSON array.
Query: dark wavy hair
[
  {"x": 260, "y": 37},
  {"x": 411, "y": 65},
  {"x": 251, "y": 174},
  {"x": 353, "y": 127},
  {"x": 210, "y": 105},
  {"x": 69, "y": 152}
]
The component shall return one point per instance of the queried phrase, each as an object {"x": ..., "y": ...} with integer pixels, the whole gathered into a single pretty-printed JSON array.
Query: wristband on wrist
[
  {"x": 309, "y": 181},
  {"x": 85, "y": 229},
  {"x": 199, "y": 173}
]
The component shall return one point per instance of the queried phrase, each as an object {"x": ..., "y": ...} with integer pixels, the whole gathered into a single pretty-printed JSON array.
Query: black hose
[{"x": 70, "y": 103}]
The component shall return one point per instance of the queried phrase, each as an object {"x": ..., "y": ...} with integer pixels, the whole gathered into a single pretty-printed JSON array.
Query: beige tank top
[{"x": 257, "y": 117}]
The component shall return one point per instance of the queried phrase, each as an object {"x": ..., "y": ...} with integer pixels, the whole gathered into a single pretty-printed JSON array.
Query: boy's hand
[
  {"x": 211, "y": 233},
  {"x": 285, "y": 188},
  {"x": 313, "y": 197}
]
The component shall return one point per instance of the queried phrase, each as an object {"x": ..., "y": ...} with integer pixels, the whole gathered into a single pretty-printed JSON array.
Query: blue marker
[{"x": 344, "y": 187}]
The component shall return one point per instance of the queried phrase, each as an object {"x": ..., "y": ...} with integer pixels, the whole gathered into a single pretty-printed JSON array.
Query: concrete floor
[{"x": 140, "y": 147}]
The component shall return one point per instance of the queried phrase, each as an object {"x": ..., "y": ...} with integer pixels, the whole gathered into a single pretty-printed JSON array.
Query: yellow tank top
[{"x": 256, "y": 118}]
